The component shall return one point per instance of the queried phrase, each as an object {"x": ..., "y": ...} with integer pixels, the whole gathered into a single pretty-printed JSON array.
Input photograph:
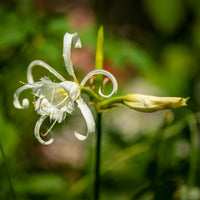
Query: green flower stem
[
  {"x": 97, "y": 99},
  {"x": 94, "y": 96},
  {"x": 110, "y": 102},
  {"x": 103, "y": 104},
  {"x": 98, "y": 157}
]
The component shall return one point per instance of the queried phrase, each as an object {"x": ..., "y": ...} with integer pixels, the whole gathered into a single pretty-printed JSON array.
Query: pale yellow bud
[{"x": 147, "y": 103}]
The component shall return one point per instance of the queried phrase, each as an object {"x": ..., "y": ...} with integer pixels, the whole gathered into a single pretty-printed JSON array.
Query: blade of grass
[
  {"x": 192, "y": 122},
  {"x": 7, "y": 172}
]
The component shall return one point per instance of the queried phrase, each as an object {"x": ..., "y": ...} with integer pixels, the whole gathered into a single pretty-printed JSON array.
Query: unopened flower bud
[{"x": 147, "y": 103}]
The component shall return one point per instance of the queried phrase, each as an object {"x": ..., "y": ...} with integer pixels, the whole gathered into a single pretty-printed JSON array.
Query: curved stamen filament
[
  {"x": 37, "y": 131},
  {"x": 106, "y": 73},
  {"x": 63, "y": 101},
  {"x": 46, "y": 133},
  {"x": 52, "y": 96},
  {"x": 42, "y": 64}
]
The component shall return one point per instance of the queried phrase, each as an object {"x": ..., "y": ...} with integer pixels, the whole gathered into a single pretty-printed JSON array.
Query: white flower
[{"x": 55, "y": 100}]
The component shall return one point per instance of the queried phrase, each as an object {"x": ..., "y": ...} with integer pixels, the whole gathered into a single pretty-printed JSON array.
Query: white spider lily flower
[{"x": 55, "y": 100}]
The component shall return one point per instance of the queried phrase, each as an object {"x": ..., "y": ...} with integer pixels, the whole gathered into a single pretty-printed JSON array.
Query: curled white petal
[
  {"x": 25, "y": 102},
  {"x": 106, "y": 73},
  {"x": 67, "y": 43},
  {"x": 43, "y": 64},
  {"x": 37, "y": 131},
  {"x": 88, "y": 119}
]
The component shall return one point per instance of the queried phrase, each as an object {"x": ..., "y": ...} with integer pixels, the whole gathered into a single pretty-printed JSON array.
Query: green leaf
[
  {"x": 42, "y": 183},
  {"x": 9, "y": 136}
]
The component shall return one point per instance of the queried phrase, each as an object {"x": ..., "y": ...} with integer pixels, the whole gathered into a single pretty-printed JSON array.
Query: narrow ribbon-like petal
[
  {"x": 25, "y": 102},
  {"x": 106, "y": 73},
  {"x": 88, "y": 119},
  {"x": 37, "y": 131},
  {"x": 67, "y": 42},
  {"x": 42, "y": 64}
]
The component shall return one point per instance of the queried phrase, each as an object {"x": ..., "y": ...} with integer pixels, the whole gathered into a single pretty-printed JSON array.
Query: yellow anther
[
  {"x": 22, "y": 82},
  {"x": 34, "y": 104},
  {"x": 33, "y": 95},
  {"x": 43, "y": 105},
  {"x": 63, "y": 91},
  {"x": 66, "y": 94}
]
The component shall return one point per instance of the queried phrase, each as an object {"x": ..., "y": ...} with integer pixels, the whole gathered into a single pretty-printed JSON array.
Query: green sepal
[{"x": 99, "y": 57}]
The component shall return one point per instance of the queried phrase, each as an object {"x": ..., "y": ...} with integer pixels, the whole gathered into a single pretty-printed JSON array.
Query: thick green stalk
[
  {"x": 98, "y": 157},
  {"x": 98, "y": 82}
]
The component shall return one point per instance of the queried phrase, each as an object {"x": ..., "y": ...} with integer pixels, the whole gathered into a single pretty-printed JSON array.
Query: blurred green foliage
[{"x": 153, "y": 163}]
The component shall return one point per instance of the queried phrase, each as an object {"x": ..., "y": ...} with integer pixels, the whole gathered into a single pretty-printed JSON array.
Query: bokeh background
[{"x": 152, "y": 47}]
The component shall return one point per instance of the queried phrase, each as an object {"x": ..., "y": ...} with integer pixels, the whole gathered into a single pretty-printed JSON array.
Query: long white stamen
[
  {"x": 37, "y": 131},
  {"x": 53, "y": 92},
  {"x": 106, "y": 73},
  {"x": 46, "y": 133},
  {"x": 66, "y": 98},
  {"x": 88, "y": 119},
  {"x": 25, "y": 102},
  {"x": 42, "y": 64}
]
